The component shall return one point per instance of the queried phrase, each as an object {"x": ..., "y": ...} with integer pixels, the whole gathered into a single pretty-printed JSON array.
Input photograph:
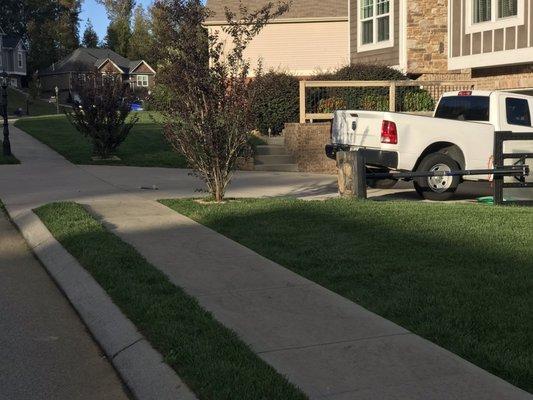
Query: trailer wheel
[
  {"x": 380, "y": 183},
  {"x": 437, "y": 188}
]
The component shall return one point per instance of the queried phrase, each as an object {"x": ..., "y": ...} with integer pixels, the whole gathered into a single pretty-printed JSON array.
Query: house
[
  {"x": 12, "y": 58},
  {"x": 493, "y": 40},
  {"x": 487, "y": 42},
  {"x": 84, "y": 60},
  {"x": 311, "y": 36}
]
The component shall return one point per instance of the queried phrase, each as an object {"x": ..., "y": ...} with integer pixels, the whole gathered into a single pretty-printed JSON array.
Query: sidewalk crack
[
  {"x": 126, "y": 348},
  {"x": 333, "y": 343}
]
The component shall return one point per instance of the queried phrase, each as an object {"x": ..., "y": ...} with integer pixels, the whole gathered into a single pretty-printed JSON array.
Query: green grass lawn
[
  {"x": 16, "y": 99},
  {"x": 459, "y": 275},
  {"x": 8, "y": 160},
  {"x": 211, "y": 359},
  {"x": 144, "y": 147}
]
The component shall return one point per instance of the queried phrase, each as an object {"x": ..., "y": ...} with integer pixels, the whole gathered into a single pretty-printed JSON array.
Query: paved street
[
  {"x": 45, "y": 349},
  {"x": 325, "y": 344}
]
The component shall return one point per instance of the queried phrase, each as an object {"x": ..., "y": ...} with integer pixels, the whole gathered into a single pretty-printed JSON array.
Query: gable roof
[
  {"x": 298, "y": 9},
  {"x": 10, "y": 41},
  {"x": 86, "y": 59}
]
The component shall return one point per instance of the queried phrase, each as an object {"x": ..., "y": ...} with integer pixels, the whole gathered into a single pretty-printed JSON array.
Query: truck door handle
[{"x": 354, "y": 125}]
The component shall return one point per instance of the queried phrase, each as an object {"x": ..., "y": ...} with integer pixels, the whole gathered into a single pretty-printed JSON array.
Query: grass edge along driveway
[
  {"x": 208, "y": 357},
  {"x": 460, "y": 275}
]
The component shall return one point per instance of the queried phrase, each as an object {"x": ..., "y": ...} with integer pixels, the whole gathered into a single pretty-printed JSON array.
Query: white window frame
[
  {"x": 143, "y": 80},
  {"x": 495, "y": 22},
  {"x": 375, "y": 45},
  {"x": 20, "y": 62}
]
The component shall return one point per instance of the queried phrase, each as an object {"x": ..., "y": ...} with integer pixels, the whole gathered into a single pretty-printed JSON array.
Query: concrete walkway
[
  {"x": 45, "y": 349},
  {"x": 325, "y": 344}
]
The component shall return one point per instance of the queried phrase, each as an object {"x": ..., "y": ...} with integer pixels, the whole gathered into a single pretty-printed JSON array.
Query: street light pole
[{"x": 6, "y": 146}]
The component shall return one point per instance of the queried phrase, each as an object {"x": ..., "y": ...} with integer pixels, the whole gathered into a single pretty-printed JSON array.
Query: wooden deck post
[
  {"x": 302, "y": 102},
  {"x": 392, "y": 97}
]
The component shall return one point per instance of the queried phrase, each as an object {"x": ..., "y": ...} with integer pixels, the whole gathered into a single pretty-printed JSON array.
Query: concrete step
[
  {"x": 274, "y": 150},
  {"x": 277, "y": 167},
  {"x": 275, "y": 140},
  {"x": 273, "y": 159}
]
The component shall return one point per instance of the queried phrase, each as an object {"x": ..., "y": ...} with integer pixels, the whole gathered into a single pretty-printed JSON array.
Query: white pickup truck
[{"x": 459, "y": 136}]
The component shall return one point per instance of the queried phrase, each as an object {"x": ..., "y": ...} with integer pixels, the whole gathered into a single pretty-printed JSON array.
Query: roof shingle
[{"x": 297, "y": 9}]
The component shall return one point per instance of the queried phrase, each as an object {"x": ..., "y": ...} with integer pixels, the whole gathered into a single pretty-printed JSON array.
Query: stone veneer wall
[
  {"x": 427, "y": 36},
  {"x": 306, "y": 143}
]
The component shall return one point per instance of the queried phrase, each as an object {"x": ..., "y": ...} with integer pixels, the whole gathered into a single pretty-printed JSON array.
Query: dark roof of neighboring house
[
  {"x": 297, "y": 8},
  {"x": 84, "y": 59},
  {"x": 10, "y": 41}
]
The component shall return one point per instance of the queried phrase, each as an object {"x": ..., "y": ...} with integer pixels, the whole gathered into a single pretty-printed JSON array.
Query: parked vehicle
[{"x": 459, "y": 136}]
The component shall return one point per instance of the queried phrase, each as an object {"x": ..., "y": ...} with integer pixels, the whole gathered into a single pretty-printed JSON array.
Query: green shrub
[
  {"x": 331, "y": 104},
  {"x": 357, "y": 98},
  {"x": 375, "y": 102},
  {"x": 417, "y": 100},
  {"x": 274, "y": 101}
]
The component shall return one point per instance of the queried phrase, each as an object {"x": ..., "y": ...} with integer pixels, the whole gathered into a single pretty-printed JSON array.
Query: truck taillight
[
  {"x": 389, "y": 133},
  {"x": 465, "y": 93}
]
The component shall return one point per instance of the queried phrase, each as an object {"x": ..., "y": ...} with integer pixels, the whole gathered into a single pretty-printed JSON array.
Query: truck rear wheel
[
  {"x": 380, "y": 183},
  {"x": 437, "y": 188}
]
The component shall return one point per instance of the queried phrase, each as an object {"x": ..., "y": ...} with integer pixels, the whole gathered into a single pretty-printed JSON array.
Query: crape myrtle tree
[
  {"x": 101, "y": 111},
  {"x": 205, "y": 91}
]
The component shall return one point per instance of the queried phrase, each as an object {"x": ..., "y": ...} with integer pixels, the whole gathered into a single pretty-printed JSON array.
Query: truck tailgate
[{"x": 357, "y": 128}]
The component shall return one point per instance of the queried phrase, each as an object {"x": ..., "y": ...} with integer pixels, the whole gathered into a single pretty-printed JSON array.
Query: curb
[{"x": 140, "y": 366}]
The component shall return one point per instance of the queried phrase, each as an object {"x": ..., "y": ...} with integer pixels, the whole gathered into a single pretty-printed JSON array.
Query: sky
[{"x": 96, "y": 13}]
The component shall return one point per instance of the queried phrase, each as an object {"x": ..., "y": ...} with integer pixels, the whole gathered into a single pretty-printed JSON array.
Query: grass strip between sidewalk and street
[
  {"x": 208, "y": 357},
  {"x": 460, "y": 275}
]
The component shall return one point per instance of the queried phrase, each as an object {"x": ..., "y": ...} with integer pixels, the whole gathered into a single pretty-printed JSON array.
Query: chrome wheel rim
[{"x": 440, "y": 184}]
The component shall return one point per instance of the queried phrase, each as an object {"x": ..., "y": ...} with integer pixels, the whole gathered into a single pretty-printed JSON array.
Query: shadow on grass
[
  {"x": 210, "y": 358},
  {"x": 458, "y": 275}
]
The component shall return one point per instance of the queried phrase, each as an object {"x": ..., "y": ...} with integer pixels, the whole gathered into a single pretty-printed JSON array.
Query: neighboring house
[
  {"x": 12, "y": 58},
  {"x": 311, "y": 36},
  {"x": 138, "y": 73}
]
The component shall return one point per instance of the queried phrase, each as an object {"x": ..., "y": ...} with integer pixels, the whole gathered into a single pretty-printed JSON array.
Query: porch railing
[{"x": 318, "y": 99}]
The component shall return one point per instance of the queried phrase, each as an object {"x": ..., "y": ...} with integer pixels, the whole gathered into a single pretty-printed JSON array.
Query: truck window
[
  {"x": 464, "y": 108},
  {"x": 517, "y": 111}
]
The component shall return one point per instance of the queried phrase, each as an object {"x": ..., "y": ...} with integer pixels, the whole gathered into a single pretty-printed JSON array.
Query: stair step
[
  {"x": 273, "y": 159},
  {"x": 277, "y": 167},
  {"x": 275, "y": 150},
  {"x": 275, "y": 140}
]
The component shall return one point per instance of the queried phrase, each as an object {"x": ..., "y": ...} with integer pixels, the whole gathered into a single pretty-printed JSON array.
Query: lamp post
[{"x": 6, "y": 147}]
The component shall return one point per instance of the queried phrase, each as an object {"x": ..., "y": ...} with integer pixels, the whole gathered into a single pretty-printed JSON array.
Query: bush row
[{"x": 275, "y": 95}]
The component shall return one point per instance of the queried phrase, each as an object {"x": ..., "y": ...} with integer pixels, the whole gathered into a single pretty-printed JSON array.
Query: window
[
  {"x": 375, "y": 24},
  {"x": 142, "y": 80},
  {"x": 507, "y": 8},
  {"x": 464, "y": 108},
  {"x": 517, "y": 112},
  {"x": 482, "y": 11},
  {"x": 19, "y": 59},
  {"x": 493, "y": 14}
]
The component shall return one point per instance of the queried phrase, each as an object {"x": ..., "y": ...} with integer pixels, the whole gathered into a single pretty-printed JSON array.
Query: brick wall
[
  {"x": 427, "y": 36},
  {"x": 306, "y": 143}
]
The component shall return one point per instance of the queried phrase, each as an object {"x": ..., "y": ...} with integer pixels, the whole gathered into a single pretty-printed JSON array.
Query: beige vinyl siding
[
  {"x": 386, "y": 56},
  {"x": 301, "y": 48},
  {"x": 500, "y": 42}
]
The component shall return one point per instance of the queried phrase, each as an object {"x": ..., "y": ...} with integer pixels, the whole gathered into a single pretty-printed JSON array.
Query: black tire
[
  {"x": 380, "y": 183},
  {"x": 430, "y": 188}
]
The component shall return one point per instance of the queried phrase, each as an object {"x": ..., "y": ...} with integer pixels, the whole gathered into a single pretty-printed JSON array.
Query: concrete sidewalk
[
  {"x": 325, "y": 344},
  {"x": 45, "y": 349},
  {"x": 328, "y": 346}
]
